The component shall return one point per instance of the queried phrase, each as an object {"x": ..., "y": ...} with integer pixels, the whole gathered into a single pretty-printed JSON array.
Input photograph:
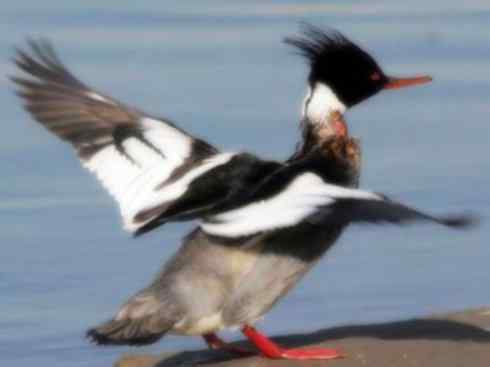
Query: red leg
[
  {"x": 272, "y": 350},
  {"x": 214, "y": 342}
]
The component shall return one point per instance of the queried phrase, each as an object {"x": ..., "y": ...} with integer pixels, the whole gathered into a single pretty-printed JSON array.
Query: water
[{"x": 220, "y": 71}]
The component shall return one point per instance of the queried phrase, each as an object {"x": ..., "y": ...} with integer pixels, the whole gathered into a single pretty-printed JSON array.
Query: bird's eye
[{"x": 375, "y": 76}]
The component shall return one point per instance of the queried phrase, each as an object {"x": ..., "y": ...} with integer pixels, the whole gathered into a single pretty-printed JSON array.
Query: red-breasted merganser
[{"x": 263, "y": 224}]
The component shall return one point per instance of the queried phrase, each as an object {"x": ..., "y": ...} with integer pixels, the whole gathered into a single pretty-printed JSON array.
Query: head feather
[
  {"x": 339, "y": 64},
  {"x": 317, "y": 44}
]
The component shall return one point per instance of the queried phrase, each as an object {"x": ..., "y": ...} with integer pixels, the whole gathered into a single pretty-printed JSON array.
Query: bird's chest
[{"x": 341, "y": 168}]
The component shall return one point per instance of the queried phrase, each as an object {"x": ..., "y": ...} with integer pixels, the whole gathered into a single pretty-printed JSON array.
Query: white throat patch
[{"x": 320, "y": 102}]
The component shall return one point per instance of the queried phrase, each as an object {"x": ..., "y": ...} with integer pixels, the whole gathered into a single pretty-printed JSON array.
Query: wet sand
[{"x": 450, "y": 340}]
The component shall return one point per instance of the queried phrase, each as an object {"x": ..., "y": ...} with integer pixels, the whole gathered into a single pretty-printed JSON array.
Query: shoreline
[{"x": 443, "y": 340}]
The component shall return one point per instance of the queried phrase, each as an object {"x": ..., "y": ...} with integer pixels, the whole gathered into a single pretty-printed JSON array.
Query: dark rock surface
[{"x": 457, "y": 339}]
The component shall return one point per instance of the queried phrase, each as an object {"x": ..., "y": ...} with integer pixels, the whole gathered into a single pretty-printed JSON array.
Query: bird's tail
[{"x": 142, "y": 320}]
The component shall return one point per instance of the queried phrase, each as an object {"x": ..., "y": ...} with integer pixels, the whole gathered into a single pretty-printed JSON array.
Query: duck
[{"x": 262, "y": 224}]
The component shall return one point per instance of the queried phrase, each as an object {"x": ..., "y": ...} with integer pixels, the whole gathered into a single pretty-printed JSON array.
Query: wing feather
[
  {"x": 308, "y": 198},
  {"x": 142, "y": 161}
]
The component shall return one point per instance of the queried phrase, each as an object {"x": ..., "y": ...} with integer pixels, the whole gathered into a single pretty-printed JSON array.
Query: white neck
[{"x": 320, "y": 102}]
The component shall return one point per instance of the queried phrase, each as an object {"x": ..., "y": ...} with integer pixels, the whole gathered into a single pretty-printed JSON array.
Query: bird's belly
[
  {"x": 203, "y": 277},
  {"x": 284, "y": 259},
  {"x": 204, "y": 325},
  {"x": 221, "y": 286}
]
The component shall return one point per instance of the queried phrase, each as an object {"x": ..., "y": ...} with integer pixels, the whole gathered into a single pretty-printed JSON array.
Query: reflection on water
[{"x": 221, "y": 72}]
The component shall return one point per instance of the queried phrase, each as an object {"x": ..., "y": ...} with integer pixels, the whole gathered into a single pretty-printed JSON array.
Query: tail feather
[
  {"x": 127, "y": 332},
  {"x": 142, "y": 320}
]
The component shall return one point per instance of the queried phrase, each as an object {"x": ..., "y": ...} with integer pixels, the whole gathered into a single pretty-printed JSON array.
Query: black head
[{"x": 335, "y": 61}]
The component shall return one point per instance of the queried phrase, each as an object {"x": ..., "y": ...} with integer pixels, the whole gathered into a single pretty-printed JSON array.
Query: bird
[{"x": 262, "y": 224}]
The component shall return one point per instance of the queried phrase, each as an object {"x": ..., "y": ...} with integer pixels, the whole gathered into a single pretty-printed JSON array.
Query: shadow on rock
[
  {"x": 200, "y": 357},
  {"x": 188, "y": 358},
  {"x": 414, "y": 329}
]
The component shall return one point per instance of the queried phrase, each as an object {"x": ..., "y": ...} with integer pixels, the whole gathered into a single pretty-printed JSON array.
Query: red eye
[{"x": 375, "y": 76}]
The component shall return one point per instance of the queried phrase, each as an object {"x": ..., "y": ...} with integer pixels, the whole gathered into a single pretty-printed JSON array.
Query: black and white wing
[
  {"x": 145, "y": 163},
  {"x": 307, "y": 197}
]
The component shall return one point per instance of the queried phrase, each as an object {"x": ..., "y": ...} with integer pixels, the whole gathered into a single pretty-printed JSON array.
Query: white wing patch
[
  {"x": 132, "y": 177},
  {"x": 148, "y": 197},
  {"x": 300, "y": 199}
]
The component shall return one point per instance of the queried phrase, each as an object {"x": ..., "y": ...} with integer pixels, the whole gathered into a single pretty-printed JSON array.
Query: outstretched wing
[
  {"x": 306, "y": 197},
  {"x": 145, "y": 163}
]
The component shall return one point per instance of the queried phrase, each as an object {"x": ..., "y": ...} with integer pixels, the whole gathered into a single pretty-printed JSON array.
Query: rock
[
  {"x": 458, "y": 339},
  {"x": 137, "y": 361}
]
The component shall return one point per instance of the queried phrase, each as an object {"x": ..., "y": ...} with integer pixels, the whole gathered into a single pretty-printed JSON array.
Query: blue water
[{"x": 219, "y": 69}]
